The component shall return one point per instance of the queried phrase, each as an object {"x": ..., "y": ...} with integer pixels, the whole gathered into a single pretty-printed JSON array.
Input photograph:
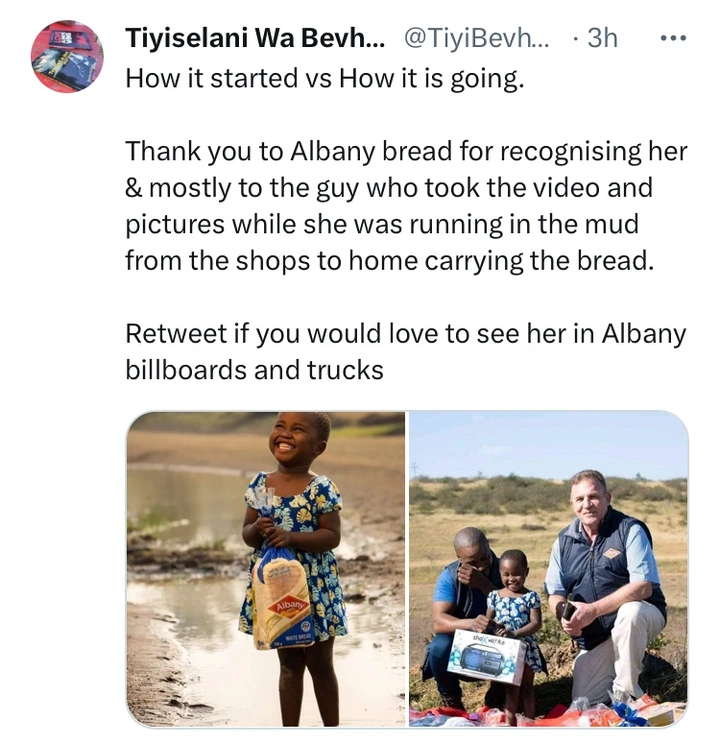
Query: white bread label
[{"x": 281, "y": 607}]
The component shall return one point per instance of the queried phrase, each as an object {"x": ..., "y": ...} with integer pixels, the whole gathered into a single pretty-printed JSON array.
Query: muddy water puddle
[
  {"x": 205, "y": 505},
  {"x": 226, "y": 672}
]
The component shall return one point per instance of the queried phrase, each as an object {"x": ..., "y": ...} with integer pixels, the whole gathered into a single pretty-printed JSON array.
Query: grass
[
  {"x": 149, "y": 522},
  {"x": 515, "y": 495},
  {"x": 377, "y": 430},
  {"x": 534, "y": 531},
  {"x": 213, "y": 545}
]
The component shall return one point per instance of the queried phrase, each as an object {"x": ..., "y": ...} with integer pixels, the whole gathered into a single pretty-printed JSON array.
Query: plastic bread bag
[
  {"x": 282, "y": 614},
  {"x": 261, "y": 501},
  {"x": 582, "y": 714},
  {"x": 623, "y": 705},
  {"x": 494, "y": 717},
  {"x": 459, "y": 722}
]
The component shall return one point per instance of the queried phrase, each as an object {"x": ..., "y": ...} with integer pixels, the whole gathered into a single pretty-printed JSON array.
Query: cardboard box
[
  {"x": 662, "y": 714},
  {"x": 487, "y": 657}
]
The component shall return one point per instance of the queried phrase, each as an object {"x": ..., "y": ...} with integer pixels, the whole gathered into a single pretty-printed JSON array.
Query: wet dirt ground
[{"x": 227, "y": 682}]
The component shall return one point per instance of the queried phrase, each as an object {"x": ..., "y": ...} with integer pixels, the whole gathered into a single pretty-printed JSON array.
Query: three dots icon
[{"x": 672, "y": 38}]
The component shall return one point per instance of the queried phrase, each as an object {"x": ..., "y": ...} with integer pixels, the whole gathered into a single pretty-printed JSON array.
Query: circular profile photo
[{"x": 67, "y": 56}]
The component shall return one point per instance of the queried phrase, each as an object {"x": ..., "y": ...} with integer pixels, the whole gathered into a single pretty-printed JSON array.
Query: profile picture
[
  {"x": 67, "y": 56},
  {"x": 548, "y": 568},
  {"x": 266, "y": 569}
]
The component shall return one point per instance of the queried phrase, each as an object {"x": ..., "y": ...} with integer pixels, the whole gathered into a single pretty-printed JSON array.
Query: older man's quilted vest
[{"x": 595, "y": 570}]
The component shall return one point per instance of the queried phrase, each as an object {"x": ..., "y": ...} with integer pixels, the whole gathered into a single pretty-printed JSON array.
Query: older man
[
  {"x": 604, "y": 562},
  {"x": 460, "y": 603}
]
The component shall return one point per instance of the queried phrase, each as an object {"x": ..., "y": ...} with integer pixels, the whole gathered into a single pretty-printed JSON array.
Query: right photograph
[{"x": 547, "y": 568}]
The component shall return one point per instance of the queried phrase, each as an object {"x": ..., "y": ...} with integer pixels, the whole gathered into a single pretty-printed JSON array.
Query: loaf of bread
[{"x": 281, "y": 602}]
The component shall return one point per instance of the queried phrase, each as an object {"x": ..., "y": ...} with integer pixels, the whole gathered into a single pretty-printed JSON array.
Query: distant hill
[
  {"x": 363, "y": 423},
  {"x": 513, "y": 494}
]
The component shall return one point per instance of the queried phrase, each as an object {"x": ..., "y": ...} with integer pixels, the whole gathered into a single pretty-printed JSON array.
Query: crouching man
[
  {"x": 460, "y": 603},
  {"x": 604, "y": 562}
]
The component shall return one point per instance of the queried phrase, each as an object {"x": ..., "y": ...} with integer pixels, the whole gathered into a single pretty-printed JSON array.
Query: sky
[{"x": 547, "y": 444}]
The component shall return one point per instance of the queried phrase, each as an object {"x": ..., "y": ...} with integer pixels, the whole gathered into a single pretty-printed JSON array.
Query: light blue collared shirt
[{"x": 641, "y": 562}]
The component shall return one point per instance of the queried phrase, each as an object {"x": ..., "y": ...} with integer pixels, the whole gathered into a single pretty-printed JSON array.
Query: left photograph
[{"x": 266, "y": 569}]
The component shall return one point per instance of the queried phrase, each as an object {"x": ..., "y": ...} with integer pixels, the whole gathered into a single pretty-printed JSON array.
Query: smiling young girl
[
  {"x": 306, "y": 519},
  {"x": 516, "y": 612}
]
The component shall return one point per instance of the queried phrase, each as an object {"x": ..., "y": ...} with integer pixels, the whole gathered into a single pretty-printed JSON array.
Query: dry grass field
[{"x": 431, "y": 536}]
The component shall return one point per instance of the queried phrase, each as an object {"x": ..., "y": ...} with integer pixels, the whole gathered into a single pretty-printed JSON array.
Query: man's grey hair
[
  {"x": 585, "y": 475},
  {"x": 470, "y": 537}
]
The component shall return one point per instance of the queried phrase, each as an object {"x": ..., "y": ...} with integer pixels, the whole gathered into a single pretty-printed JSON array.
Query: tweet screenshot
[{"x": 482, "y": 238}]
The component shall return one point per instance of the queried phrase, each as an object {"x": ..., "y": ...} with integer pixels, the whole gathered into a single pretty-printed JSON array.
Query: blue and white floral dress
[
  {"x": 514, "y": 613},
  {"x": 300, "y": 513}
]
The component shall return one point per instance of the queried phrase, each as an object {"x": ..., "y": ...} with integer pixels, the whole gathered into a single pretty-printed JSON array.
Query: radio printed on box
[{"x": 487, "y": 657}]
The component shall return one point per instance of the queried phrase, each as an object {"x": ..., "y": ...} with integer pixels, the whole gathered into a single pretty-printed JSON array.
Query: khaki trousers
[{"x": 615, "y": 665}]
